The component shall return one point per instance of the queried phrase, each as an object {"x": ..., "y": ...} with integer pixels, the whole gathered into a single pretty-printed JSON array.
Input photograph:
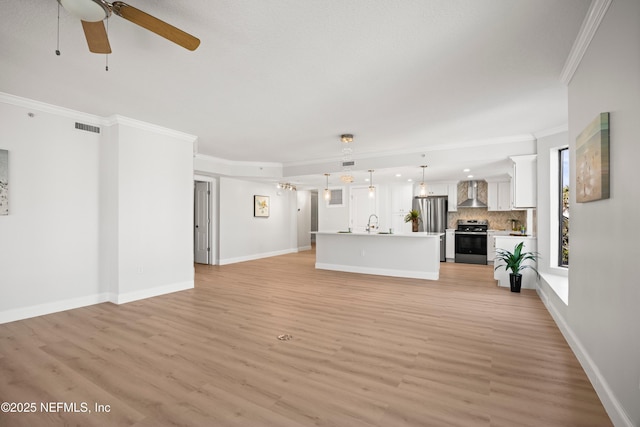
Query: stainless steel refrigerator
[{"x": 433, "y": 214}]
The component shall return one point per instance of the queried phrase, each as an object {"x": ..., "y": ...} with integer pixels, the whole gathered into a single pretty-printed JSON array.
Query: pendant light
[
  {"x": 372, "y": 189},
  {"x": 327, "y": 192},
  {"x": 423, "y": 187}
]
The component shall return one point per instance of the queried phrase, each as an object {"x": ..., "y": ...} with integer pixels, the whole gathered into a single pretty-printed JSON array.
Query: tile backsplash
[{"x": 498, "y": 220}]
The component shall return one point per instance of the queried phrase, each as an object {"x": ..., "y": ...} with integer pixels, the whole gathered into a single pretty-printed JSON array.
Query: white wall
[
  {"x": 93, "y": 217},
  {"x": 244, "y": 237},
  {"x": 603, "y": 314},
  {"x": 49, "y": 240},
  {"x": 155, "y": 212}
]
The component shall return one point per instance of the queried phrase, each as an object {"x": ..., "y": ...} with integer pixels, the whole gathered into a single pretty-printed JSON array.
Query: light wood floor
[{"x": 366, "y": 351}]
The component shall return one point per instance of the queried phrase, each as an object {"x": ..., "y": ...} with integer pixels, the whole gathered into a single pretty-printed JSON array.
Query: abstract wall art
[
  {"x": 592, "y": 161},
  {"x": 261, "y": 206}
]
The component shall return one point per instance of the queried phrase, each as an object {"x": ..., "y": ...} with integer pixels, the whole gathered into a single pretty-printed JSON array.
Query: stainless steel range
[{"x": 471, "y": 241}]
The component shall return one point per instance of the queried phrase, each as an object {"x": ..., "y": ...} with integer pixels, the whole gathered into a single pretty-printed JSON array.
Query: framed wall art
[
  {"x": 261, "y": 206},
  {"x": 592, "y": 161},
  {"x": 4, "y": 182}
]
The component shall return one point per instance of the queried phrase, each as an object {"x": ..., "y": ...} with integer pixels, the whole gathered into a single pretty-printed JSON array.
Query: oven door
[{"x": 471, "y": 247}]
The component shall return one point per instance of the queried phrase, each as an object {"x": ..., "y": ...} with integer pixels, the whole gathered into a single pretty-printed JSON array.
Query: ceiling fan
[{"x": 92, "y": 13}]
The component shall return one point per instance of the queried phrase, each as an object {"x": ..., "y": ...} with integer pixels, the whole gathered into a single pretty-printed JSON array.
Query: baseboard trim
[
  {"x": 151, "y": 292},
  {"x": 379, "y": 271},
  {"x": 304, "y": 248},
  {"x": 52, "y": 307},
  {"x": 256, "y": 256},
  {"x": 613, "y": 407}
]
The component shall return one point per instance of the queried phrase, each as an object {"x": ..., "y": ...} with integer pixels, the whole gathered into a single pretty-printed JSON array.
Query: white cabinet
[
  {"x": 437, "y": 190},
  {"x": 491, "y": 244},
  {"x": 499, "y": 196},
  {"x": 401, "y": 200},
  {"x": 524, "y": 181},
  {"x": 442, "y": 189},
  {"x": 450, "y": 242}
]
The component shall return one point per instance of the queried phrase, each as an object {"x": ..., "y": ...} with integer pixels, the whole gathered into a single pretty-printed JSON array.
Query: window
[{"x": 563, "y": 211}]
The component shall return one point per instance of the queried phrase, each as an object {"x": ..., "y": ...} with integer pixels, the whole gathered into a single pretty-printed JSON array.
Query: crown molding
[
  {"x": 227, "y": 162},
  {"x": 552, "y": 131},
  {"x": 138, "y": 124},
  {"x": 93, "y": 119},
  {"x": 452, "y": 145},
  {"x": 51, "y": 109},
  {"x": 595, "y": 15}
]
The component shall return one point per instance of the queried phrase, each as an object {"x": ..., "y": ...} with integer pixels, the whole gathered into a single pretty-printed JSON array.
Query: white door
[
  {"x": 362, "y": 207},
  {"x": 201, "y": 223}
]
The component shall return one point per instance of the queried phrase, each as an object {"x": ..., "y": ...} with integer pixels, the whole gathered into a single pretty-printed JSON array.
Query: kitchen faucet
[{"x": 369, "y": 222}]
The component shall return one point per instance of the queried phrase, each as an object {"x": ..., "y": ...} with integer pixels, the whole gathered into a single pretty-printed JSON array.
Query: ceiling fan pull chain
[
  {"x": 106, "y": 57},
  {"x": 58, "y": 35}
]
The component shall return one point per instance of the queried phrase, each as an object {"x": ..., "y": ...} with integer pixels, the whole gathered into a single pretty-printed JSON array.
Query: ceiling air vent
[
  {"x": 350, "y": 163},
  {"x": 88, "y": 128}
]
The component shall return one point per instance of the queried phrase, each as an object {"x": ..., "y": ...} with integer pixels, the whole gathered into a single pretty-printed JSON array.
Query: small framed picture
[{"x": 261, "y": 206}]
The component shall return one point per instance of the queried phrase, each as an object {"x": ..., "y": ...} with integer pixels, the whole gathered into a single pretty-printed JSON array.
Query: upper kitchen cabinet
[
  {"x": 524, "y": 181},
  {"x": 437, "y": 190},
  {"x": 401, "y": 198},
  {"x": 499, "y": 196},
  {"x": 449, "y": 189}
]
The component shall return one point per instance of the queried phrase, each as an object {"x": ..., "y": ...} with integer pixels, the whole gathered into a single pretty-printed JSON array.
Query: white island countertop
[
  {"x": 414, "y": 255},
  {"x": 379, "y": 233}
]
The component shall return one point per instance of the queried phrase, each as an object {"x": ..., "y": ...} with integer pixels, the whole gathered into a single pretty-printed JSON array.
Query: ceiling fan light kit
[
  {"x": 92, "y": 13},
  {"x": 87, "y": 10}
]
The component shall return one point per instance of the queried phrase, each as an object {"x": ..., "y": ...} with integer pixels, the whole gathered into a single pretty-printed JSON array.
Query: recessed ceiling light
[
  {"x": 398, "y": 175},
  {"x": 409, "y": 180},
  {"x": 366, "y": 180},
  {"x": 466, "y": 170},
  {"x": 469, "y": 176}
]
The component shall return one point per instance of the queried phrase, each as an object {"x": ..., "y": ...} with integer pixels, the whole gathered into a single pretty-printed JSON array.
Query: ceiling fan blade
[
  {"x": 155, "y": 25},
  {"x": 96, "y": 37}
]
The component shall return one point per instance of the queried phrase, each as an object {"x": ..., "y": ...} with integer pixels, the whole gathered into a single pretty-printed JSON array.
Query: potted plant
[
  {"x": 514, "y": 261},
  {"x": 413, "y": 217}
]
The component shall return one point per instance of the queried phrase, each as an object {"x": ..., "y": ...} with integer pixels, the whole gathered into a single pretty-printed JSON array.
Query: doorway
[{"x": 202, "y": 222}]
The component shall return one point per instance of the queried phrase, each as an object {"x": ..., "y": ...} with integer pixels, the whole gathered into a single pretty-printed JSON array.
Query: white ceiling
[{"x": 279, "y": 81}]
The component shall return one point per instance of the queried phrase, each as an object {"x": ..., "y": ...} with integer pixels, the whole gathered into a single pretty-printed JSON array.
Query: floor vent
[{"x": 88, "y": 128}]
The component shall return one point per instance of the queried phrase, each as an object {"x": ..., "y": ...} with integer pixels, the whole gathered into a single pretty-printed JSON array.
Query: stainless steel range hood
[{"x": 472, "y": 201}]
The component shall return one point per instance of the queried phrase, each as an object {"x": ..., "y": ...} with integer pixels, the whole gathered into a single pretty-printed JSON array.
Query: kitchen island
[{"x": 413, "y": 255}]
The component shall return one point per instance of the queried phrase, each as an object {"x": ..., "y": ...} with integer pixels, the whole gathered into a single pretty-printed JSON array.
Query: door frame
[{"x": 214, "y": 223}]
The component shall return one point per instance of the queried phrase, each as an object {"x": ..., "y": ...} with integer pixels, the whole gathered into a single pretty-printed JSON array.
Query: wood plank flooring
[{"x": 366, "y": 351}]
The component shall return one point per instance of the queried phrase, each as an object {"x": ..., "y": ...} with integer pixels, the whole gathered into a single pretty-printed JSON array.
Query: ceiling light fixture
[
  {"x": 287, "y": 186},
  {"x": 89, "y": 11},
  {"x": 423, "y": 186},
  {"x": 327, "y": 192},
  {"x": 347, "y": 158},
  {"x": 372, "y": 189},
  {"x": 346, "y": 138}
]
